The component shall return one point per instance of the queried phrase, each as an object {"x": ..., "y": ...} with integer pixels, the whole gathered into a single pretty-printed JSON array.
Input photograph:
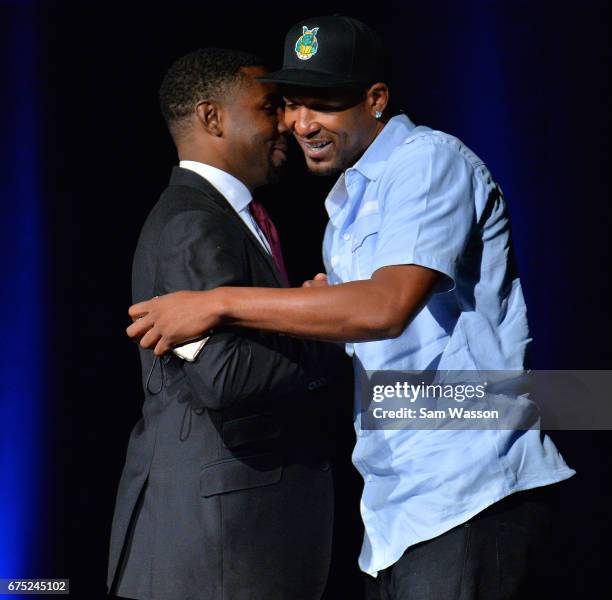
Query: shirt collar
[
  {"x": 371, "y": 164},
  {"x": 234, "y": 191}
]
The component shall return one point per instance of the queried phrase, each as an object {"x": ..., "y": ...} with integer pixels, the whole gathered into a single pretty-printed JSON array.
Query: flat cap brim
[{"x": 309, "y": 78}]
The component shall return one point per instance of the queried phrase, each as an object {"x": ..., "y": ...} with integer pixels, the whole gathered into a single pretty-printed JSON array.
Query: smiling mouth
[
  {"x": 316, "y": 148},
  {"x": 317, "y": 145}
]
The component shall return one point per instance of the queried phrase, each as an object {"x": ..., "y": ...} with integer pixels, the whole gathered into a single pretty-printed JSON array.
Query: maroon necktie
[{"x": 262, "y": 218}]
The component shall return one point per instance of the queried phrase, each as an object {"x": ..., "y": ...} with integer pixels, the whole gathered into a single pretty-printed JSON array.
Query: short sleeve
[{"x": 428, "y": 209}]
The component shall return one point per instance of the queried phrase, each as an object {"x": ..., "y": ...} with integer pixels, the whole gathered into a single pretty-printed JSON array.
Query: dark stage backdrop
[{"x": 85, "y": 155}]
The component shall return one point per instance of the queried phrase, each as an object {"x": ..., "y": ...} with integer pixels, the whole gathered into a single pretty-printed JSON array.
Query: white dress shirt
[{"x": 233, "y": 190}]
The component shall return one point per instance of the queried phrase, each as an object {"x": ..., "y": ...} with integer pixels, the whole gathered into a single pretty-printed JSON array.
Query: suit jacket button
[{"x": 324, "y": 465}]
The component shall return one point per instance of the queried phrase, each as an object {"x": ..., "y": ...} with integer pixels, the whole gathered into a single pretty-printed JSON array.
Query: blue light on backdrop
[
  {"x": 479, "y": 75},
  {"x": 22, "y": 351}
]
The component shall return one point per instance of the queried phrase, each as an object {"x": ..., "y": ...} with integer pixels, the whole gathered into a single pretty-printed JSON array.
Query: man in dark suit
[{"x": 227, "y": 488}]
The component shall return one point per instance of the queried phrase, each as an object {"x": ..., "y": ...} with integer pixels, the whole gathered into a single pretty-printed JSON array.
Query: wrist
[{"x": 222, "y": 305}]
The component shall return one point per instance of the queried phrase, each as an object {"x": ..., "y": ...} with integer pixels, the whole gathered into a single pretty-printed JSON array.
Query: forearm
[
  {"x": 373, "y": 309},
  {"x": 355, "y": 311},
  {"x": 238, "y": 367}
]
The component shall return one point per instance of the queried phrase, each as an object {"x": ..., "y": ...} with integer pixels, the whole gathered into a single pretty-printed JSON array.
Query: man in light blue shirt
[
  {"x": 419, "y": 261},
  {"x": 421, "y": 197}
]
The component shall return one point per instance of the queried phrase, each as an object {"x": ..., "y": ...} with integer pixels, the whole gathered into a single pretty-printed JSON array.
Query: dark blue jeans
[{"x": 497, "y": 555}]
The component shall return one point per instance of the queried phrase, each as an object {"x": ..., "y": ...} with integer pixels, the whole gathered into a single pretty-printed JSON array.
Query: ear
[
  {"x": 210, "y": 116},
  {"x": 377, "y": 97},
  {"x": 314, "y": 31},
  {"x": 304, "y": 29}
]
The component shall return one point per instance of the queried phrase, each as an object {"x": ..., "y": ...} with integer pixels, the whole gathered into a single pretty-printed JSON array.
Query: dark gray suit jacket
[{"x": 227, "y": 489}]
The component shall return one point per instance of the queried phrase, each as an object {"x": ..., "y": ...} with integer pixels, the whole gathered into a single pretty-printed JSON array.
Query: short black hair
[{"x": 204, "y": 74}]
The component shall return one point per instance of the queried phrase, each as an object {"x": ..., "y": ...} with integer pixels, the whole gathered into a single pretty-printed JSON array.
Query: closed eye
[{"x": 272, "y": 107}]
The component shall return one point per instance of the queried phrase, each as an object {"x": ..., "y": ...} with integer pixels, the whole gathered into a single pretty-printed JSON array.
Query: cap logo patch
[{"x": 307, "y": 45}]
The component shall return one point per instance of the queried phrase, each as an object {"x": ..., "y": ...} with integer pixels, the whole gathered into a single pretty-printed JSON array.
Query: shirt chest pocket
[{"x": 363, "y": 245}]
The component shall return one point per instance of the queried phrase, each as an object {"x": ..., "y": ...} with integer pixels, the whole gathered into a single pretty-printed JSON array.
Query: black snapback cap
[{"x": 330, "y": 52}]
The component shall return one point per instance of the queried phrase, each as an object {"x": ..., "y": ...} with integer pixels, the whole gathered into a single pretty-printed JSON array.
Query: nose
[{"x": 301, "y": 121}]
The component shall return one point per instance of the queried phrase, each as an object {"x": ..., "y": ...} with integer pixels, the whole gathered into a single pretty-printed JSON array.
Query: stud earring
[{"x": 377, "y": 114}]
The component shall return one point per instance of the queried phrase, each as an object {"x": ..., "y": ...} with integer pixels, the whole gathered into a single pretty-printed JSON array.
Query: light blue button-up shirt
[{"x": 419, "y": 196}]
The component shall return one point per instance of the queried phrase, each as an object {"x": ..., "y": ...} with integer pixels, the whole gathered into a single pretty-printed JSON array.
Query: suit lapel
[{"x": 185, "y": 177}]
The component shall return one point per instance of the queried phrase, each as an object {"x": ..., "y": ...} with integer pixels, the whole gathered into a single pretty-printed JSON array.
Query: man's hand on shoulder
[{"x": 167, "y": 321}]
